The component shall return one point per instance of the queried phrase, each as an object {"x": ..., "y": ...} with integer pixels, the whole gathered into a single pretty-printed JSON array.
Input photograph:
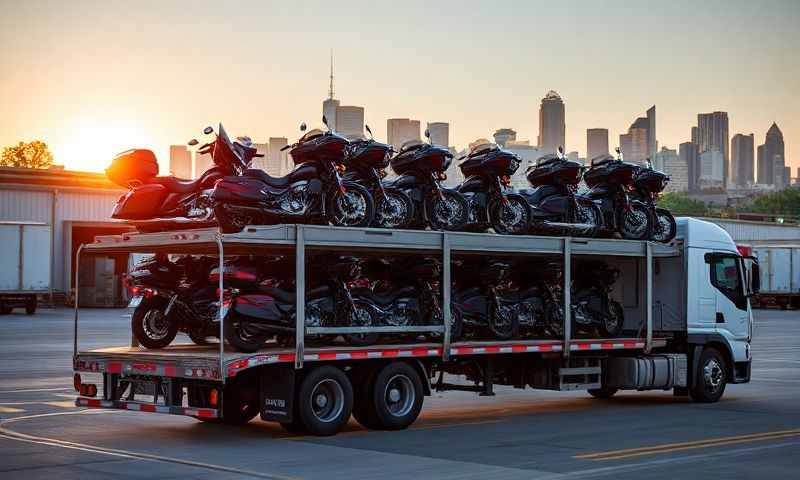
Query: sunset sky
[{"x": 95, "y": 78}]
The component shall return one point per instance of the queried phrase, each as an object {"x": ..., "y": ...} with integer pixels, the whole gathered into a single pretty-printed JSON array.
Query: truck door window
[{"x": 727, "y": 278}]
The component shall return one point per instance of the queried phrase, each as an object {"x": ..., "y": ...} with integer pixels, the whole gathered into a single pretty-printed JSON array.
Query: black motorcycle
[
  {"x": 648, "y": 183},
  {"x": 556, "y": 207},
  {"x": 314, "y": 192},
  {"x": 488, "y": 170},
  {"x": 365, "y": 162},
  {"x": 168, "y": 297},
  {"x": 610, "y": 181},
  {"x": 420, "y": 168},
  {"x": 592, "y": 308},
  {"x": 252, "y": 318},
  {"x": 156, "y": 203}
]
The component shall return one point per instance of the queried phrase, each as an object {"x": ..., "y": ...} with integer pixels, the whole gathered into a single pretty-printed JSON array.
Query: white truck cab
[{"x": 719, "y": 284}]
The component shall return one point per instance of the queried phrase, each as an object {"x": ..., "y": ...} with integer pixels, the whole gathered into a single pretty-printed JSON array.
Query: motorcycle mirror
[
  {"x": 208, "y": 130},
  {"x": 561, "y": 150},
  {"x": 303, "y": 127},
  {"x": 193, "y": 142},
  {"x": 427, "y": 134},
  {"x": 616, "y": 149},
  {"x": 325, "y": 121},
  {"x": 366, "y": 127}
]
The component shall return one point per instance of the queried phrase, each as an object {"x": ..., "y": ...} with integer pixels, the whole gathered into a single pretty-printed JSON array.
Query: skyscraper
[
  {"x": 440, "y": 133},
  {"x": 652, "y": 142},
  {"x": 673, "y": 165},
  {"x": 263, "y": 163},
  {"x": 279, "y": 160},
  {"x": 401, "y": 130},
  {"x": 180, "y": 161},
  {"x": 596, "y": 142},
  {"x": 552, "y": 126},
  {"x": 712, "y": 134},
  {"x": 330, "y": 105},
  {"x": 742, "y": 165},
  {"x": 504, "y": 135},
  {"x": 688, "y": 154},
  {"x": 634, "y": 143},
  {"x": 771, "y": 160},
  {"x": 350, "y": 121}
]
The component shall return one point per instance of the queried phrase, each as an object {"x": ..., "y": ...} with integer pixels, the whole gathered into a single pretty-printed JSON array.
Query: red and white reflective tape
[
  {"x": 606, "y": 345},
  {"x": 146, "y": 407},
  {"x": 544, "y": 347},
  {"x": 147, "y": 368}
]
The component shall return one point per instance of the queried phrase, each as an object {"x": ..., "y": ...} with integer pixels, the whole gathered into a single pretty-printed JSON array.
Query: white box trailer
[
  {"x": 688, "y": 327},
  {"x": 26, "y": 266},
  {"x": 780, "y": 275}
]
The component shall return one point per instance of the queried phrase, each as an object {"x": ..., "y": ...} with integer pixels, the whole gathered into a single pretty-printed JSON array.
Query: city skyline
[{"x": 132, "y": 90}]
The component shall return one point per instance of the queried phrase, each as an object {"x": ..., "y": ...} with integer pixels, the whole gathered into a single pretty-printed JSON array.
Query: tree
[
  {"x": 33, "y": 154},
  {"x": 786, "y": 202},
  {"x": 681, "y": 204}
]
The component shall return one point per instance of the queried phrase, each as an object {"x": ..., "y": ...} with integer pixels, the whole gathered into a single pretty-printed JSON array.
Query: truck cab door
[{"x": 727, "y": 278}]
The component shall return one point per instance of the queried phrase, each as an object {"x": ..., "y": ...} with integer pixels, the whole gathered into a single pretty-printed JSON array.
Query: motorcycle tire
[
  {"x": 590, "y": 214},
  {"x": 198, "y": 338},
  {"x": 613, "y": 321},
  {"x": 386, "y": 215},
  {"x": 361, "y": 316},
  {"x": 512, "y": 217},
  {"x": 499, "y": 330},
  {"x": 342, "y": 210},
  {"x": 447, "y": 213},
  {"x": 554, "y": 320},
  {"x": 151, "y": 328},
  {"x": 456, "y": 324},
  {"x": 240, "y": 339},
  {"x": 665, "y": 228},
  {"x": 635, "y": 223}
]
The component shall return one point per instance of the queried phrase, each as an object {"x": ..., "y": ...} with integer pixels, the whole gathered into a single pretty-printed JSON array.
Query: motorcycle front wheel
[
  {"x": 230, "y": 221},
  {"x": 151, "y": 327},
  {"x": 635, "y": 223},
  {"x": 448, "y": 211},
  {"x": 394, "y": 209},
  {"x": 512, "y": 217},
  {"x": 353, "y": 208},
  {"x": 613, "y": 320},
  {"x": 665, "y": 227},
  {"x": 361, "y": 316},
  {"x": 589, "y": 213}
]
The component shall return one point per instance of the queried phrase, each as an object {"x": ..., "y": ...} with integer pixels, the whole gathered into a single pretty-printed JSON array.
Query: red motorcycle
[{"x": 155, "y": 203}]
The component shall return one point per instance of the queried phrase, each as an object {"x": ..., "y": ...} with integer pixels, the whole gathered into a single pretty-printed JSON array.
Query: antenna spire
[{"x": 330, "y": 90}]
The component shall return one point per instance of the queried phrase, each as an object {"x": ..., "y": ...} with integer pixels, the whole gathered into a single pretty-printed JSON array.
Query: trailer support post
[
  {"x": 75, "y": 325},
  {"x": 567, "y": 295},
  {"x": 300, "y": 285},
  {"x": 648, "y": 346},
  {"x": 221, "y": 311},
  {"x": 446, "y": 313}
]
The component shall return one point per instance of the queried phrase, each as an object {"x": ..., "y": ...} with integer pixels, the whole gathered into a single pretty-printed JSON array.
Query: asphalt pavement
[{"x": 754, "y": 431}]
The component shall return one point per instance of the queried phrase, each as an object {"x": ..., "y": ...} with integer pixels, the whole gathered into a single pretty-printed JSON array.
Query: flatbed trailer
[{"x": 315, "y": 389}]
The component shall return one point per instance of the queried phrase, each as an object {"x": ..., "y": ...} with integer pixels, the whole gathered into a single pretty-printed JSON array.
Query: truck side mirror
[{"x": 755, "y": 278}]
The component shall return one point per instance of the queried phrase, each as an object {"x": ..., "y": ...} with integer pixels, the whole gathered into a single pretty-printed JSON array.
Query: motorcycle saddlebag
[
  {"x": 132, "y": 166},
  {"x": 238, "y": 190},
  {"x": 140, "y": 203}
]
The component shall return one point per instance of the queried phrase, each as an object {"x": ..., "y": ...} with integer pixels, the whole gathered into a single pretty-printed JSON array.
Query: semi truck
[
  {"x": 26, "y": 270},
  {"x": 780, "y": 275},
  {"x": 687, "y": 328}
]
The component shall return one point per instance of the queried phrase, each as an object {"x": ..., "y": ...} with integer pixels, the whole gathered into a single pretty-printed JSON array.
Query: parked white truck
[
  {"x": 780, "y": 275},
  {"x": 687, "y": 328},
  {"x": 26, "y": 265}
]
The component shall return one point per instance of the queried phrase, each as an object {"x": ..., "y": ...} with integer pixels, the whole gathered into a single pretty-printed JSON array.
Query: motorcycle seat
[
  {"x": 263, "y": 176},
  {"x": 177, "y": 185},
  {"x": 385, "y": 298}
]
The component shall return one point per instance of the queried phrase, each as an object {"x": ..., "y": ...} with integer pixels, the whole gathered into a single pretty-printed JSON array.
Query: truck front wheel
[
  {"x": 325, "y": 401},
  {"x": 710, "y": 378}
]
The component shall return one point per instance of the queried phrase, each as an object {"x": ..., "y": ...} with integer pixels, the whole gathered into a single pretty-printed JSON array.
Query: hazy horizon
[{"x": 95, "y": 78}]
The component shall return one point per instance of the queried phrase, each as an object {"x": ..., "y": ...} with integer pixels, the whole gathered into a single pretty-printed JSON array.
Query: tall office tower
[
  {"x": 688, "y": 154},
  {"x": 350, "y": 121},
  {"x": 652, "y": 142},
  {"x": 552, "y": 126},
  {"x": 742, "y": 161},
  {"x": 278, "y": 157},
  {"x": 440, "y": 133},
  {"x": 330, "y": 105},
  {"x": 673, "y": 165},
  {"x": 401, "y": 130},
  {"x": 695, "y": 135},
  {"x": 596, "y": 142},
  {"x": 634, "y": 143},
  {"x": 772, "y": 156},
  {"x": 504, "y": 135},
  {"x": 180, "y": 161},
  {"x": 711, "y": 169},
  {"x": 202, "y": 162},
  {"x": 712, "y": 134}
]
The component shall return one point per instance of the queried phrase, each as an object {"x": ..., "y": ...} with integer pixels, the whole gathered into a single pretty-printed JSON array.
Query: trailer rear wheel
[
  {"x": 325, "y": 400},
  {"x": 30, "y": 306},
  {"x": 396, "y": 396},
  {"x": 602, "y": 392},
  {"x": 710, "y": 378}
]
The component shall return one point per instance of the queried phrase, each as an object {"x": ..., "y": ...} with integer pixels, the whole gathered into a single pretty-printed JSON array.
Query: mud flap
[{"x": 277, "y": 393}]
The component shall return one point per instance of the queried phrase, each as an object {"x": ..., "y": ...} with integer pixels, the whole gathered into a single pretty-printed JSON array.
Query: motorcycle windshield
[
  {"x": 224, "y": 151},
  {"x": 311, "y": 135},
  {"x": 481, "y": 148}
]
